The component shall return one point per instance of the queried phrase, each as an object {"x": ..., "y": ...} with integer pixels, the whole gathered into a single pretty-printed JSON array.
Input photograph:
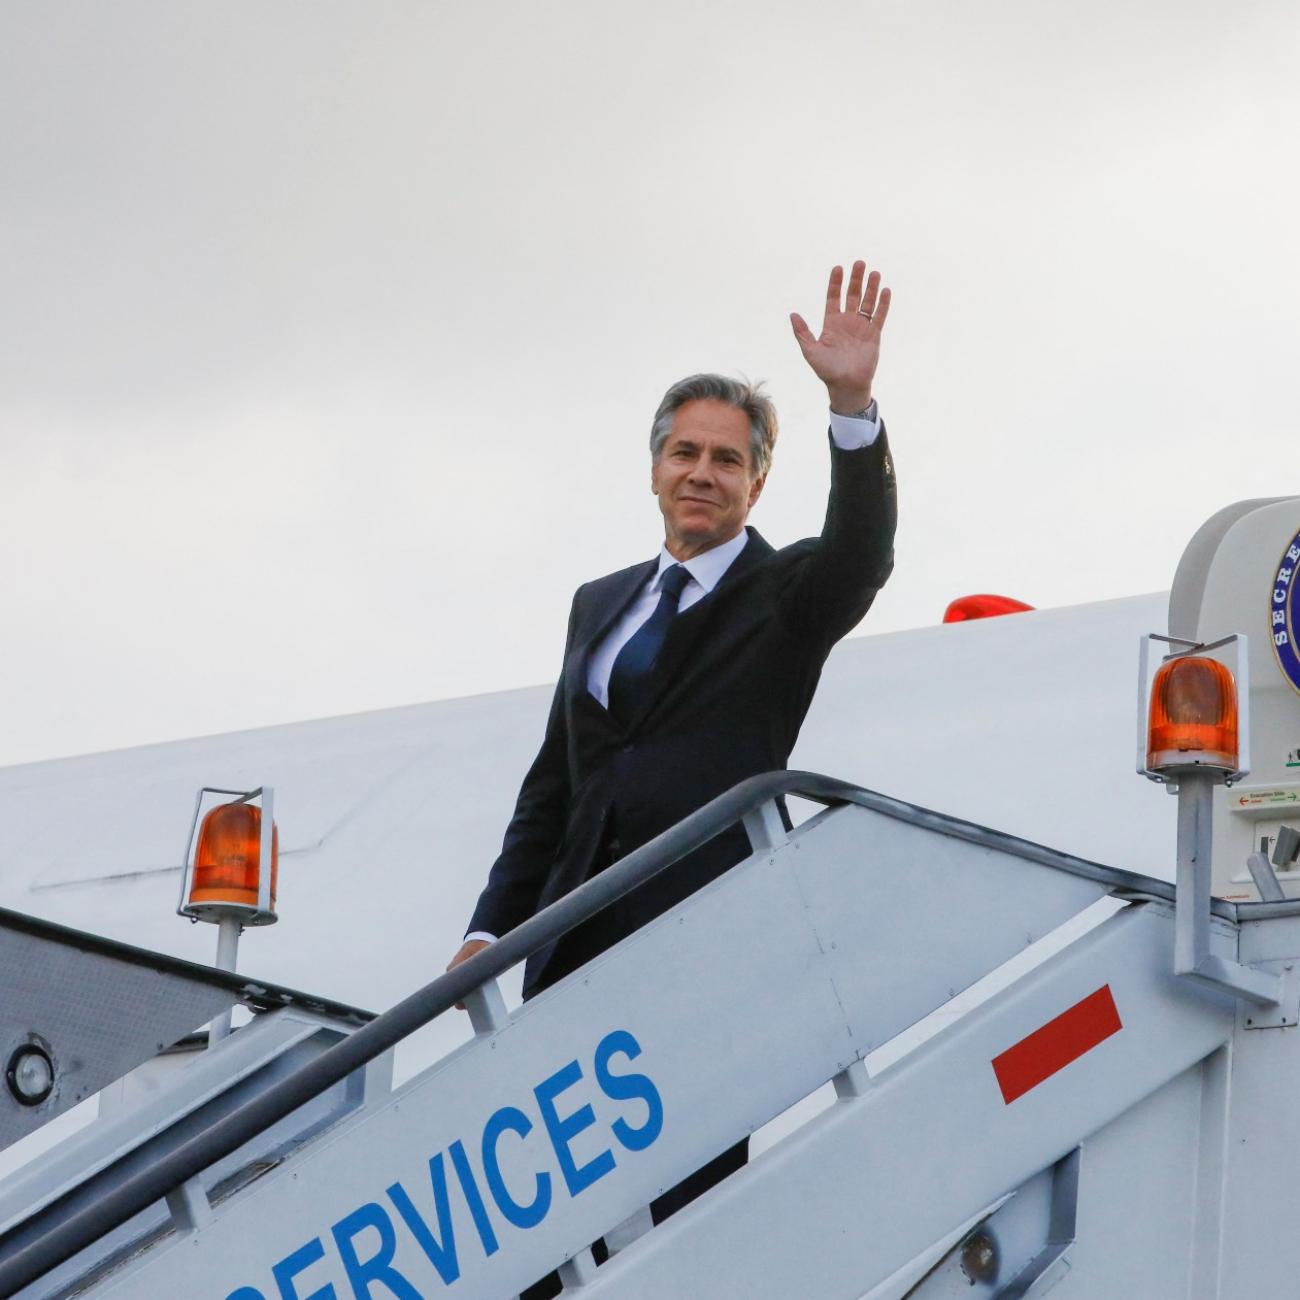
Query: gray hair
[{"x": 740, "y": 393}]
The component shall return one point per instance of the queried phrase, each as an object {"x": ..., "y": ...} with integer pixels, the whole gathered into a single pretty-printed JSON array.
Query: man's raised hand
[{"x": 845, "y": 356}]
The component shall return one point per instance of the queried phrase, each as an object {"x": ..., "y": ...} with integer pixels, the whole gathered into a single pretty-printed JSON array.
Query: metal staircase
[{"x": 1075, "y": 1128}]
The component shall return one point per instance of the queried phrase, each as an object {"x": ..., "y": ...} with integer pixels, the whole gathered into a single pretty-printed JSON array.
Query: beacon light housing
[
  {"x": 223, "y": 877},
  {"x": 1192, "y": 709}
]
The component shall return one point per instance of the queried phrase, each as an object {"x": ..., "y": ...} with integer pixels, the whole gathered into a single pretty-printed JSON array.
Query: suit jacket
[{"x": 729, "y": 692}]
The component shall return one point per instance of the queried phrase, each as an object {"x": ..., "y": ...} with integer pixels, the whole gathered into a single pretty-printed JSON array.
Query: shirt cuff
[
  {"x": 479, "y": 934},
  {"x": 851, "y": 432}
]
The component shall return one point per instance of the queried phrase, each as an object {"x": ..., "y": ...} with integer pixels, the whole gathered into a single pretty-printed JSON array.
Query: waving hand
[{"x": 845, "y": 355}]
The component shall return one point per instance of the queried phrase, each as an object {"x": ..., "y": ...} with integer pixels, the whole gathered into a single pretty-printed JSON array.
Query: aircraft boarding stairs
[{"x": 1075, "y": 1128}]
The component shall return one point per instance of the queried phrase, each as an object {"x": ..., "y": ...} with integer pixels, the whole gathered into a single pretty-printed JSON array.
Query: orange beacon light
[
  {"x": 224, "y": 878},
  {"x": 1192, "y": 721},
  {"x": 227, "y": 862},
  {"x": 1193, "y": 710},
  {"x": 224, "y": 882}
]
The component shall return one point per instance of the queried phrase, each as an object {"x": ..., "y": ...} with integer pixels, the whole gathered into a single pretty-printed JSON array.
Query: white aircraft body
[{"x": 390, "y": 820}]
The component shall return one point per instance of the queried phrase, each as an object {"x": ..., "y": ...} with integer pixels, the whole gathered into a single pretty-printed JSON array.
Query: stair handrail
[{"x": 24, "y": 1260}]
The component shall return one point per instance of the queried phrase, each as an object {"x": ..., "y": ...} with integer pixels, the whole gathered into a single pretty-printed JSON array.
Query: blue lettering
[
  {"x": 563, "y": 1131},
  {"x": 510, "y": 1119},
  {"x": 379, "y": 1267},
  {"x": 441, "y": 1250},
  {"x": 477, "y": 1209},
  {"x": 291, "y": 1265},
  {"x": 376, "y": 1271},
  {"x": 629, "y": 1087}
]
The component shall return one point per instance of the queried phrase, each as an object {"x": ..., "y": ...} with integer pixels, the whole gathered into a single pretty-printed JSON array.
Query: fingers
[
  {"x": 833, "y": 288},
  {"x": 868, "y": 303},
  {"x": 854, "y": 299},
  {"x": 860, "y": 296},
  {"x": 864, "y": 297},
  {"x": 882, "y": 309}
]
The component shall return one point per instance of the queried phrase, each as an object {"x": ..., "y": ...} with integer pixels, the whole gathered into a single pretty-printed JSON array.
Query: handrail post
[
  {"x": 487, "y": 1008},
  {"x": 764, "y": 826},
  {"x": 578, "y": 1271},
  {"x": 189, "y": 1206}
]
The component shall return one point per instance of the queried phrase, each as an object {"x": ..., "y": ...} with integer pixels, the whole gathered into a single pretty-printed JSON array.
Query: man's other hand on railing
[{"x": 467, "y": 950}]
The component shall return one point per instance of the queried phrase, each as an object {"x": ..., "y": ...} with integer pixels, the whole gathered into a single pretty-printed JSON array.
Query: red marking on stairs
[{"x": 1060, "y": 1041}]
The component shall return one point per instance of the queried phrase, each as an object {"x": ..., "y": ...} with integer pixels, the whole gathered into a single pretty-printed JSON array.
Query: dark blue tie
[{"x": 630, "y": 675}]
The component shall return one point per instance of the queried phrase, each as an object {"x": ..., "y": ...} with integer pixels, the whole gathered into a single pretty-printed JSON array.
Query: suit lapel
[
  {"x": 622, "y": 591},
  {"x": 757, "y": 549}
]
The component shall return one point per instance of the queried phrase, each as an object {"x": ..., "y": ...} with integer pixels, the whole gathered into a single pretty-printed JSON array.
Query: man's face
[{"x": 704, "y": 477}]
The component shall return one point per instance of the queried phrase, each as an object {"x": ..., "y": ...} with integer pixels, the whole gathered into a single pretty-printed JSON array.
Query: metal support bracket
[
  {"x": 578, "y": 1271},
  {"x": 1013, "y": 1228},
  {"x": 1285, "y": 1014},
  {"x": 1049, "y": 1266},
  {"x": 1258, "y": 987},
  {"x": 1192, "y": 923}
]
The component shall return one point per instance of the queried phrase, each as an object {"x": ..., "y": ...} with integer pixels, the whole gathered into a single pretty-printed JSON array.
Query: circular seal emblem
[{"x": 1284, "y": 613}]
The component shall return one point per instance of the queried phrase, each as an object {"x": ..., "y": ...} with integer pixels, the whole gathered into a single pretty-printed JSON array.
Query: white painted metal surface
[
  {"x": 558, "y": 1122},
  {"x": 778, "y": 1001},
  {"x": 826, "y": 1213},
  {"x": 814, "y": 978}
]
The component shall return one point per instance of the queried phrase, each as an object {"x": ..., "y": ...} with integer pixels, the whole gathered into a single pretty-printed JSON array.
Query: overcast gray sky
[{"x": 330, "y": 332}]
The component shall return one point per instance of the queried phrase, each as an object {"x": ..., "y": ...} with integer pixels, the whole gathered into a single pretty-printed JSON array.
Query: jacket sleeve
[
  {"x": 536, "y": 829},
  {"x": 837, "y": 580}
]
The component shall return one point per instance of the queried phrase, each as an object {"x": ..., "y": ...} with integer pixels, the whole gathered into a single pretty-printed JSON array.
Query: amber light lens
[
  {"x": 226, "y": 861},
  {"x": 1193, "y": 719}
]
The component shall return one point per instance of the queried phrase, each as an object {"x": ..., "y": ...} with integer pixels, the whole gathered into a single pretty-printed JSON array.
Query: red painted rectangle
[{"x": 1056, "y": 1044}]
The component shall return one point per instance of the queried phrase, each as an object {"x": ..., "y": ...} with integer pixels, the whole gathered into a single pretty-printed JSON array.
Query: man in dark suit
[{"x": 686, "y": 674}]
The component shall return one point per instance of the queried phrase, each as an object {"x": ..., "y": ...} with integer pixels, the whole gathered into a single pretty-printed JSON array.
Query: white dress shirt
[{"x": 848, "y": 432}]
